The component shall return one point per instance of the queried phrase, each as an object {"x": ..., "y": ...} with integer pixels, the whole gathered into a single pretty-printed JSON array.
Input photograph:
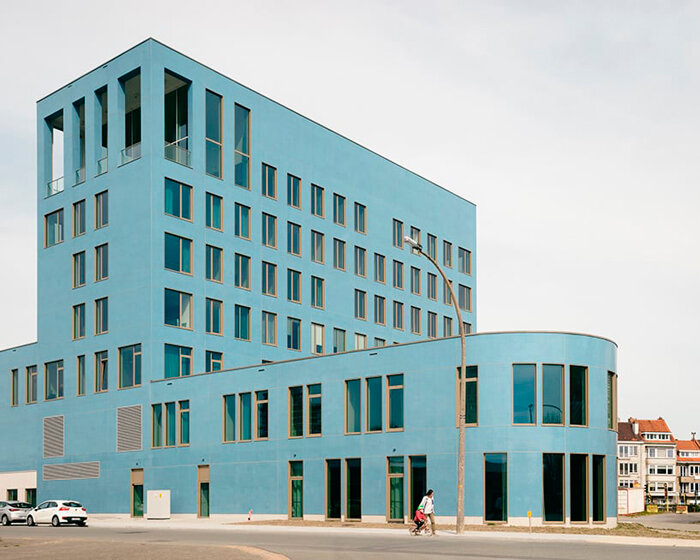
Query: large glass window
[
  {"x": 214, "y": 211},
  {"x": 294, "y": 285},
  {"x": 178, "y": 361},
  {"x": 447, "y": 253},
  {"x": 178, "y": 200},
  {"x": 53, "y": 381},
  {"x": 353, "y": 406},
  {"x": 213, "y": 361},
  {"x": 552, "y": 394},
  {"x": 176, "y": 105},
  {"x": 245, "y": 417},
  {"x": 242, "y": 322},
  {"x": 79, "y": 220},
  {"x": 269, "y": 328},
  {"x": 157, "y": 425},
  {"x": 170, "y": 424},
  {"x": 241, "y": 146},
  {"x": 293, "y": 333},
  {"x": 101, "y": 315},
  {"x": 53, "y": 228},
  {"x": 553, "y": 487},
  {"x": 431, "y": 246},
  {"x": 314, "y": 412},
  {"x": 333, "y": 489},
  {"x": 296, "y": 489},
  {"x": 415, "y": 280},
  {"x": 395, "y": 474},
  {"x": 269, "y": 181},
  {"x": 471, "y": 394},
  {"x": 79, "y": 269},
  {"x": 183, "y": 408},
  {"x": 432, "y": 325},
  {"x": 495, "y": 487},
  {"x": 229, "y": 418},
  {"x": 241, "y": 221},
  {"x": 296, "y": 411},
  {"x": 130, "y": 366},
  {"x": 578, "y": 487},
  {"x": 353, "y": 488},
  {"x": 178, "y": 253},
  {"x": 101, "y": 262},
  {"x": 214, "y": 139},
  {"x": 294, "y": 239},
  {"x": 394, "y": 387},
  {"x": 214, "y": 316},
  {"x": 524, "y": 394},
  {"x": 317, "y": 247},
  {"x": 269, "y": 230},
  {"x": 269, "y": 279},
  {"x": 317, "y": 292},
  {"x": 339, "y": 254},
  {"x": 261, "y": 415},
  {"x": 578, "y": 393},
  {"x": 374, "y": 404},
  {"x": 101, "y": 371},
  {"x": 317, "y": 200},
  {"x": 177, "y": 309},
  {"x": 598, "y": 505},
  {"x": 242, "y": 271},
  {"x": 338, "y": 209}
]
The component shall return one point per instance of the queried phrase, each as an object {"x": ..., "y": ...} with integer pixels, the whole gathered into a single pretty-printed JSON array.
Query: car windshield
[
  {"x": 73, "y": 504},
  {"x": 23, "y": 505}
]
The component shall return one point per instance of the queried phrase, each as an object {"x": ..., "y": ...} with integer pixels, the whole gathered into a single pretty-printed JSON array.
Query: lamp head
[{"x": 413, "y": 244}]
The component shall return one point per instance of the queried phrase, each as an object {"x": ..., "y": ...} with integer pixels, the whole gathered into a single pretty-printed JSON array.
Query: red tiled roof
[
  {"x": 657, "y": 426},
  {"x": 625, "y": 432},
  {"x": 688, "y": 445}
]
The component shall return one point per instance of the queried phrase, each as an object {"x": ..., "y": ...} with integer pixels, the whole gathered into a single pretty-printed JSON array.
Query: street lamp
[{"x": 462, "y": 376}]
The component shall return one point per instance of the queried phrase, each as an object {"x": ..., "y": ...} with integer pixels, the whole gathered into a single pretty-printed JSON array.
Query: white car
[
  {"x": 14, "y": 512},
  {"x": 57, "y": 512}
]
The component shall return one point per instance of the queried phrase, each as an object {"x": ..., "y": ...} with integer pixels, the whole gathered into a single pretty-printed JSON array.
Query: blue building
[{"x": 227, "y": 311}]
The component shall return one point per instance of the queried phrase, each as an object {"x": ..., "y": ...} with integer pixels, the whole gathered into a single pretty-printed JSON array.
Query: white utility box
[{"x": 158, "y": 504}]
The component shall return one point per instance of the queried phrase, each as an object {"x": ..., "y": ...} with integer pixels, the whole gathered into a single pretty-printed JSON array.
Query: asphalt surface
[
  {"x": 263, "y": 543},
  {"x": 674, "y": 521}
]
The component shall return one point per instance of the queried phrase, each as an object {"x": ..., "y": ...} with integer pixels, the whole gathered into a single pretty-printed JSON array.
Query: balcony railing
[
  {"x": 177, "y": 151},
  {"x": 130, "y": 153},
  {"x": 54, "y": 187},
  {"x": 79, "y": 175},
  {"x": 102, "y": 165}
]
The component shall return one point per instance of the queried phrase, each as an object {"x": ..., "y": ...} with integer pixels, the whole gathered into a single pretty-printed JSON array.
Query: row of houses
[{"x": 651, "y": 458}]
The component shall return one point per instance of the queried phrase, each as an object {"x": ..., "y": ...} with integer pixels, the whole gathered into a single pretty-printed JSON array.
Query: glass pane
[
  {"x": 598, "y": 488},
  {"x": 396, "y": 497},
  {"x": 577, "y": 395},
  {"x": 524, "y": 394},
  {"x": 172, "y": 361},
  {"x": 553, "y": 486},
  {"x": 296, "y": 412},
  {"x": 552, "y": 394},
  {"x": 241, "y": 119},
  {"x": 185, "y": 427},
  {"x": 246, "y": 432},
  {"x": 262, "y": 416},
  {"x": 470, "y": 409},
  {"x": 353, "y": 473},
  {"x": 213, "y": 159},
  {"x": 495, "y": 487},
  {"x": 229, "y": 418},
  {"x": 333, "y": 488},
  {"x": 353, "y": 406},
  {"x": 374, "y": 404},
  {"x": 170, "y": 422},
  {"x": 157, "y": 425},
  {"x": 395, "y": 403},
  {"x": 241, "y": 165},
  {"x": 213, "y": 116},
  {"x": 297, "y": 498},
  {"x": 579, "y": 487},
  {"x": 172, "y": 198}
]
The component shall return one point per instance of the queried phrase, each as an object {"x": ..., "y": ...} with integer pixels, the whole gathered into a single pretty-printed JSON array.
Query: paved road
[
  {"x": 679, "y": 522},
  {"x": 319, "y": 544}
]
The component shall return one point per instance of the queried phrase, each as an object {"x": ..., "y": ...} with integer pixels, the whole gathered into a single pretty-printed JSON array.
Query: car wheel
[
  {"x": 54, "y": 521},
  {"x": 5, "y": 521},
  {"x": 81, "y": 523},
  {"x": 30, "y": 521}
]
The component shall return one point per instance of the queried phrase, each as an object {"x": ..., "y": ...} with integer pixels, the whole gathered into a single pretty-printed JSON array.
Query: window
[
  {"x": 415, "y": 320},
  {"x": 353, "y": 489},
  {"x": 293, "y": 285},
  {"x": 379, "y": 342},
  {"x": 317, "y": 338},
  {"x": 446, "y": 295},
  {"x": 53, "y": 381},
  {"x": 176, "y": 119},
  {"x": 184, "y": 419},
  {"x": 627, "y": 469},
  {"x": 394, "y": 387},
  {"x": 524, "y": 394},
  {"x": 353, "y": 406},
  {"x": 269, "y": 328},
  {"x": 464, "y": 297},
  {"x": 397, "y": 233},
  {"x": 245, "y": 427},
  {"x": 177, "y": 309},
  {"x": 360, "y": 304},
  {"x": 395, "y": 483},
  {"x": 81, "y": 375},
  {"x": 338, "y": 254},
  {"x": 294, "y": 239},
  {"x": 79, "y": 141},
  {"x": 338, "y": 340},
  {"x": 241, "y": 158},
  {"x": 360, "y": 218},
  {"x": 32, "y": 384},
  {"x": 552, "y": 394},
  {"x": 398, "y": 315},
  {"x": 317, "y": 292},
  {"x": 578, "y": 487},
  {"x": 79, "y": 218},
  {"x": 317, "y": 247},
  {"x": 241, "y": 221},
  {"x": 296, "y": 412},
  {"x": 464, "y": 261},
  {"x": 360, "y": 341},
  {"x": 79, "y": 269},
  {"x": 101, "y": 315},
  {"x": 102, "y": 102},
  {"x": 130, "y": 366},
  {"x": 293, "y": 333},
  {"x": 379, "y": 310},
  {"x": 214, "y": 210},
  {"x": 447, "y": 253},
  {"x": 269, "y": 230},
  {"x": 78, "y": 321},
  {"x": 229, "y": 418},
  {"x": 471, "y": 395},
  {"x": 379, "y": 267},
  {"x": 317, "y": 200},
  {"x": 101, "y": 371},
  {"x": 495, "y": 487},
  {"x": 398, "y": 275},
  {"x": 176, "y": 425},
  {"x": 360, "y": 261},
  {"x": 101, "y": 210},
  {"x": 338, "y": 209},
  {"x": 374, "y": 404},
  {"x": 53, "y": 228},
  {"x": 261, "y": 415},
  {"x": 578, "y": 393},
  {"x": 14, "y": 387},
  {"x": 213, "y": 145},
  {"x": 157, "y": 425},
  {"x": 447, "y": 326},
  {"x": 101, "y": 262},
  {"x": 432, "y": 286},
  {"x": 269, "y": 181},
  {"x": 178, "y": 361},
  {"x": 415, "y": 280},
  {"x": 431, "y": 246},
  {"x": 269, "y": 279},
  {"x": 214, "y": 316},
  {"x": 313, "y": 403},
  {"x": 296, "y": 489},
  {"x": 612, "y": 401},
  {"x": 415, "y": 235},
  {"x": 178, "y": 200},
  {"x": 213, "y": 361},
  {"x": 432, "y": 325},
  {"x": 178, "y": 253},
  {"x": 294, "y": 191},
  {"x": 242, "y": 271},
  {"x": 553, "y": 487},
  {"x": 242, "y": 322}
]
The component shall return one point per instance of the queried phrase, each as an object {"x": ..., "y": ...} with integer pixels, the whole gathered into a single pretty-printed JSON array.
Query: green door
[
  {"x": 137, "y": 500},
  {"x": 204, "y": 499},
  {"x": 297, "y": 498}
]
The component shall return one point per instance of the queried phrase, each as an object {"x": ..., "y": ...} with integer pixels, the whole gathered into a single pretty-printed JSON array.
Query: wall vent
[
  {"x": 72, "y": 471},
  {"x": 53, "y": 436},
  {"x": 129, "y": 428}
]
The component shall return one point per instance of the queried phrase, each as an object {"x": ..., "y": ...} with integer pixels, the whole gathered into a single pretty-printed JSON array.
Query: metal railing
[
  {"x": 79, "y": 175},
  {"x": 54, "y": 187},
  {"x": 177, "y": 151},
  {"x": 102, "y": 165},
  {"x": 130, "y": 153}
]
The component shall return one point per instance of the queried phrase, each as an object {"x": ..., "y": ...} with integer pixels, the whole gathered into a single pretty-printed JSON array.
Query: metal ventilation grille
[
  {"x": 53, "y": 436},
  {"x": 70, "y": 471},
  {"x": 129, "y": 428}
]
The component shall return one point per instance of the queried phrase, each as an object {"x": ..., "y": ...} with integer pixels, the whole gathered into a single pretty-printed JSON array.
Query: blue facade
[{"x": 164, "y": 134}]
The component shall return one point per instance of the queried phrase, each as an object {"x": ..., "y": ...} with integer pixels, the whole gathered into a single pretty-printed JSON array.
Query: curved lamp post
[{"x": 462, "y": 376}]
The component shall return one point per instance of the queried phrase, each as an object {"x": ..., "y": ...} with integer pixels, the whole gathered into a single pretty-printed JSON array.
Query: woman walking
[{"x": 427, "y": 506}]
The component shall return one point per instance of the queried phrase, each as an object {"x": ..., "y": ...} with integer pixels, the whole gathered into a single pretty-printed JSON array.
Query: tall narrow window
[
  {"x": 296, "y": 411},
  {"x": 81, "y": 375},
  {"x": 131, "y": 89},
  {"x": 379, "y": 268},
  {"x": 176, "y": 134},
  {"x": 245, "y": 410},
  {"x": 293, "y": 285},
  {"x": 353, "y": 406},
  {"x": 317, "y": 292},
  {"x": 178, "y": 253},
  {"x": 170, "y": 424},
  {"x": 130, "y": 366},
  {"x": 101, "y": 315},
  {"x": 360, "y": 261},
  {"x": 178, "y": 361},
  {"x": 293, "y": 191},
  {"x": 398, "y": 315},
  {"x": 293, "y": 333},
  {"x": 415, "y": 320},
  {"x": 578, "y": 395},
  {"x": 294, "y": 239},
  {"x": 269, "y": 279},
  {"x": 415, "y": 235},
  {"x": 338, "y": 254},
  {"x": 313, "y": 401},
  {"x": 214, "y": 139},
  {"x": 296, "y": 489},
  {"x": 338, "y": 340},
  {"x": 394, "y": 387},
  {"x": 360, "y": 304},
  {"x": 431, "y": 246},
  {"x": 353, "y": 488},
  {"x": 214, "y": 211},
  {"x": 317, "y": 338},
  {"x": 524, "y": 394},
  {"x": 79, "y": 269},
  {"x": 79, "y": 141},
  {"x": 447, "y": 253},
  {"x": 14, "y": 387},
  {"x": 32, "y": 384},
  {"x": 495, "y": 487},
  {"x": 242, "y": 221},
  {"x": 374, "y": 404},
  {"x": 269, "y": 328},
  {"x": 360, "y": 218},
  {"x": 214, "y": 361},
  {"x": 553, "y": 487},
  {"x": 415, "y": 280},
  {"x": 53, "y": 228},
  {"x": 242, "y": 146},
  {"x": 598, "y": 483},
  {"x": 317, "y": 200},
  {"x": 214, "y": 316},
  {"x": 464, "y": 297},
  {"x": 79, "y": 221},
  {"x": 338, "y": 209},
  {"x": 333, "y": 489},
  {"x": 103, "y": 142},
  {"x": 269, "y": 181},
  {"x": 78, "y": 321},
  {"x": 269, "y": 230},
  {"x": 55, "y": 183},
  {"x": 552, "y": 394},
  {"x": 241, "y": 322},
  {"x": 157, "y": 425},
  {"x": 183, "y": 412},
  {"x": 398, "y": 275},
  {"x": 395, "y": 466},
  {"x": 177, "y": 309},
  {"x": 471, "y": 395},
  {"x": 214, "y": 263},
  {"x": 317, "y": 247},
  {"x": 432, "y": 325},
  {"x": 229, "y": 418},
  {"x": 101, "y": 262},
  {"x": 360, "y": 341},
  {"x": 242, "y": 271},
  {"x": 432, "y": 286},
  {"x": 447, "y": 326},
  {"x": 101, "y": 210},
  {"x": 612, "y": 401},
  {"x": 261, "y": 415},
  {"x": 397, "y": 233},
  {"x": 578, "y": 487},
  {"x": 464, "y": 261},
  {"x": 380, "y": 310},
  {"x": 101, "y": 371}
]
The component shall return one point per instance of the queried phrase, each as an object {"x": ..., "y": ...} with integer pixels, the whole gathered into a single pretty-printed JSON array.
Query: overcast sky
[{"x": 574, "y": 127}]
